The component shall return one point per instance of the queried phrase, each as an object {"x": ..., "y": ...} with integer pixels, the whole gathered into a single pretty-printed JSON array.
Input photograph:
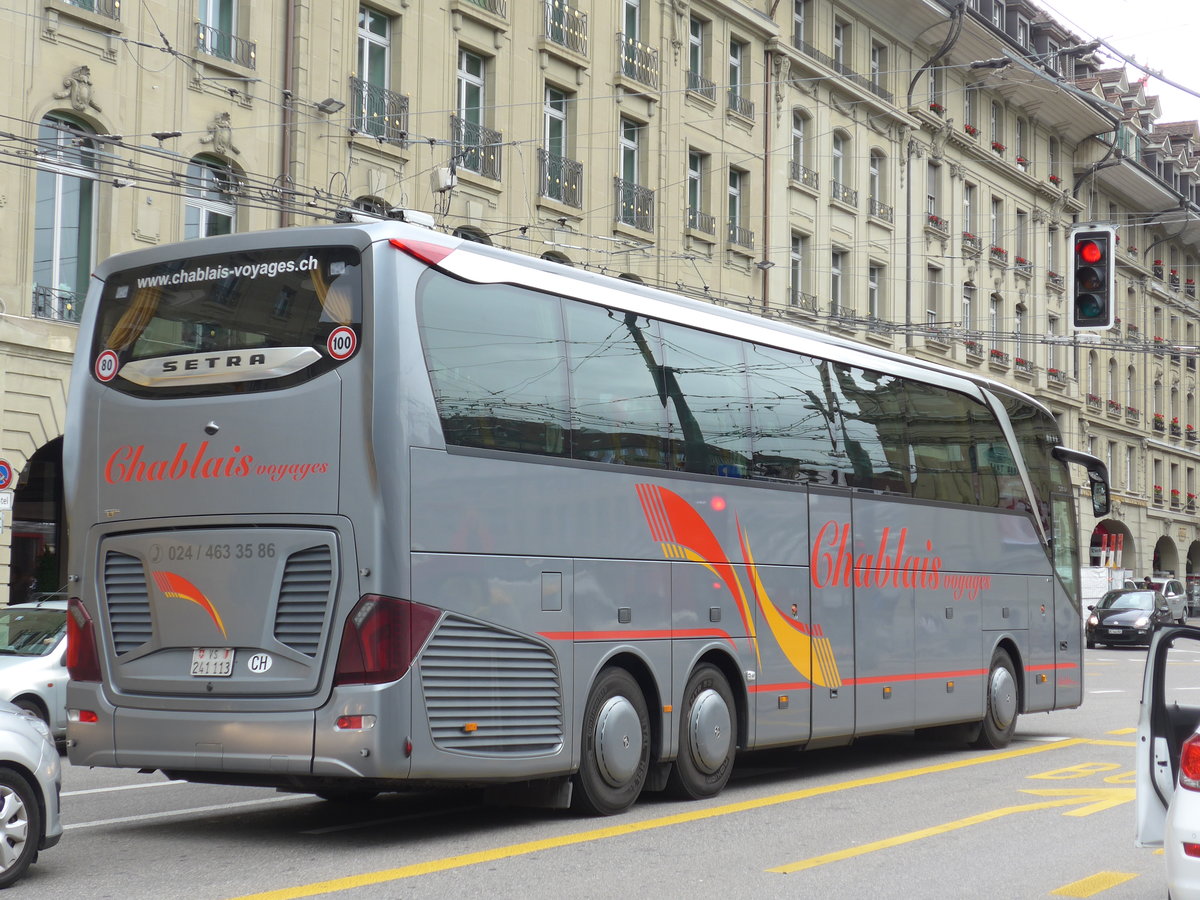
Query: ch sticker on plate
[{"x": 259, "y": 663}]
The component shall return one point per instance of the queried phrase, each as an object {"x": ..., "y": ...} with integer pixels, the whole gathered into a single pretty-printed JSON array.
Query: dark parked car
[{"x": 1127, "y": 617}]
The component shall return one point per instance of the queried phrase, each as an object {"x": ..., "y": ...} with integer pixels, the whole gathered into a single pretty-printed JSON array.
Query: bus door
[
  {"x": 832, "y": 623},
  {"x": 1061, "y": 594}
]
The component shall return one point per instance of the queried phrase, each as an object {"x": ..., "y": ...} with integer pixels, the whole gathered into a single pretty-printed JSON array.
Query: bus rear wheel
[
  {"x": 615, "y": 748},
  {"x": 1002, "y": 703},
  {"x": 707, "y": 736}
]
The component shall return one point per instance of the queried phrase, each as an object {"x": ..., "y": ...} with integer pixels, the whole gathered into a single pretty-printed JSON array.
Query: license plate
[
  {"x": 1110, "y": 631},
  {"x": 212, "y": 662}
]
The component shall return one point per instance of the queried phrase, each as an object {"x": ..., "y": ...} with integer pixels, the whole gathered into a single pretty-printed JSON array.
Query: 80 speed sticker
[
  {"x": 342, "y": 342},
  {"x": 107, "y": 365}
]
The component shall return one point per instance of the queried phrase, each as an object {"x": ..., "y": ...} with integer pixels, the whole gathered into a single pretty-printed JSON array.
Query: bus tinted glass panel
[
  {"x": 291, "y": 298},
  {"x": 495, "y": 357},
  {"x": 619, "y": 414},
  {"x": 870, "y": 414},
  {"x": 704, "y": 380},
  {"x": 793, "y": 434}
]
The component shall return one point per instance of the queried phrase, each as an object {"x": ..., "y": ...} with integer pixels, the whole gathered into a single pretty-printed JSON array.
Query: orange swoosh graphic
[{"x": 173, "y": 585}]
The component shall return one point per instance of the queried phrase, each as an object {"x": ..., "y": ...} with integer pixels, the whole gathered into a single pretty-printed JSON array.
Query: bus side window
[
  {"x": 705, "y": 382},
  {"x": 939, "y": 431},
  {"x": 792, "y": 429},
  {"x": 495, "y": 360},
  {"x": 618, "y": 412}
]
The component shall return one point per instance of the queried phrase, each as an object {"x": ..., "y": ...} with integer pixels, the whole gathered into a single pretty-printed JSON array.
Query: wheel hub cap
[{"x": 618, "y": 741}]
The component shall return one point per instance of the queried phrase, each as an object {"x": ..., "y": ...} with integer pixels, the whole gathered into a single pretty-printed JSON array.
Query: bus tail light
[
  {"x": 426, "y": 251},
  {"x": 1189, "y": 764},
  {"x": 83, "y": 657},
  {"x": 381, "y": 637}
]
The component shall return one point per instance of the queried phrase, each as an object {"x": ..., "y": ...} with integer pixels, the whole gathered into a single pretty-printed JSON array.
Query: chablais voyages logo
[{"x": 129, "y": 464}]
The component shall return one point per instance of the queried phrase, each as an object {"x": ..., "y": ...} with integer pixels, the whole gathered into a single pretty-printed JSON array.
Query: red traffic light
[{"x": 1089, "y": 252}]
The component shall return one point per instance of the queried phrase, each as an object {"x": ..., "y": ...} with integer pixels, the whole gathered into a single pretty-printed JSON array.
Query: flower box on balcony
[
  {"x": 998, "y": 147},
  {"x": 971, "y": 130},
  {"x": 1054, "y": 179},
  {"x": 1021, "y": 161},
  {"x": 937, "y": 108}
]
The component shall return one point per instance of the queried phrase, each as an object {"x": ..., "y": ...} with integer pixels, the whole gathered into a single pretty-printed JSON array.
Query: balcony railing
[
  {"x": 495, "y": 7},
  {"x": 799, "y": 300},
  {"x": 565, "y": 25},
  {"x": 736, "y": 102},
  {"x": 110, "y": 8},
  {"x": 701, "y": 221},
  {"x": 1056, "y": 281},
  {"x": 879, "y": 210},
  {"x": 225, "y": 46},
  {"x": 638, "y": 61},
  {"x": 65, "y": 306},
  {"x": 804, "y": 175},
  {"x": 477, "y": 147},
  {"x": 843, "y": 194},
  {"x": 972, "y": 244},
  {"x": 934, "y": 222},
  {"x": 560, "y": 178},
  {"x": 743, "y": 237},
  {"x": 634, "y": 204},
  {"x": 378, "y": 112},
  {"x": 698, "y": 84}
]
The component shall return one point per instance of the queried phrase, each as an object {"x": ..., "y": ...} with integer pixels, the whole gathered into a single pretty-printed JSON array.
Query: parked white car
[
  {"x": 30, "y": 782},
  {"x": 1176, "y": 596},
  {"x": 1168, "y": 758},
  {"x": 33, "y": 649}
]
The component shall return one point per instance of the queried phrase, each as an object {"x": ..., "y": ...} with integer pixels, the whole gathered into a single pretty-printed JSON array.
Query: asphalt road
[{"x": 890, "y": 817}]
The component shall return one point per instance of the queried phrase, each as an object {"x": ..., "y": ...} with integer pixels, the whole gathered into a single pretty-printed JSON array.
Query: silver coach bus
[{"x": 360, "y": 507}]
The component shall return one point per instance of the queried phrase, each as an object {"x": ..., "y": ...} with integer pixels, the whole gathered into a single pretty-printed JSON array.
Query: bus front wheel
[
  {"x": 707, "y": 736},
  {"x": 1002, "y": 703},
  {"x": 615, "y": 754}
]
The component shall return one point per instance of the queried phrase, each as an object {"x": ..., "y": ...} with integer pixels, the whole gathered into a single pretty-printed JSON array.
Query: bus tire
[
  {"x": 1002, "y": 703},
  {"x": 707, "y": 736},
  {"x": 615, "y": 746}
]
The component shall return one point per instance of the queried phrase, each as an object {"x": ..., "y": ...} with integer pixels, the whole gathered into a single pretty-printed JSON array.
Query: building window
[
  {"x": 697, "y": 82},
  {"x": 561, "y": 176},
  {"x": 1052, "y": 328},
  {"x": 971, "y": 109},
  {"x": 1131, "y": 468},
  {"x": 874, "y": 282},
  {"x": 797, "y": 268},
  {"x": 65, "y": 220},
  {"x": 933, "y": 295},
  {"x": 738, "y": 232},
  {"x": 373, "y": 113},
  {"x": 477, "y": 146},
  {"x": 937, "y": 90},
  {"x": 879, "y": 66},
  {"x": 996, "y": 124},
  {"x": 698, "y": 216},
  {"x": 216, "y": 33},
  {"x": 635, "y": 203},
  {"x": 738, "y": 101},
  {"x": 1022, "y": 237},
  {"x": 997, "y": 223},
  {"x": 209, "y": 207},
  {"x": 1023, "y": 32},
  {"x": 999, "y": 12},
  {"x": 933, "y": 190},
  {"x": 970, "y": 226},
  {"x": 799, "y": 23},
  {"x": 835, "y": 281},
  {"x": 841, "y": 41}
]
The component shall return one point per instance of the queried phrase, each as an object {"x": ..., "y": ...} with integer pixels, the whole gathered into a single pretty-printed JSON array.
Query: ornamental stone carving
[{"x": 78, "y": 87}]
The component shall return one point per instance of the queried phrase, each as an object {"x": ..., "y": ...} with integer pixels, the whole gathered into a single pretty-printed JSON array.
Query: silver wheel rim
[
  {"x": 710, "y": 731},
  {"x": 1003, "y": 689},
  {"x": 14, "y": 827},
  {"x": 618, "y": 741}
]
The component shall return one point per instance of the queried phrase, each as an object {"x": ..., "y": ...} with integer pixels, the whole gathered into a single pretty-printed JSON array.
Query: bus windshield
[{"x": 199, "y": 306}]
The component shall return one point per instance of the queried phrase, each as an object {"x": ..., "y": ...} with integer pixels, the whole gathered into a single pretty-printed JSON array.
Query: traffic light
[{"x": 1093, "y": 277}]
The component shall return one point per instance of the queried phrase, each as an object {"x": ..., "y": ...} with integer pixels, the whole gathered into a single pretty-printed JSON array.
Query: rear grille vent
[
  {"x": 506, "y": 684},
  {"x": 304, "y": 599},
  {"x": 128, "y": 601}
]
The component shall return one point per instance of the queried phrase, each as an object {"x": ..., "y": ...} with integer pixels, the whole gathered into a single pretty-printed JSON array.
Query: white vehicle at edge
[
  {"x": 1168, "y": 759},
  {"x": 33, "y": 671},
  {"x": 30, "y": 780}
]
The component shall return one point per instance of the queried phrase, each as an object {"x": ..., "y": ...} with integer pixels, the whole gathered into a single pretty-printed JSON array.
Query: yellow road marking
[
  {"x": 1124, "y": 731},
  {"x": 1097, "y": 799},
  {"x": 1094, "y": 884},
  {"x": 471, "y": 859}
]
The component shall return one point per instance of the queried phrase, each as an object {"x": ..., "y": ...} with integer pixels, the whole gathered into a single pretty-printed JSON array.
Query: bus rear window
[{"x": 257, "y": 320}]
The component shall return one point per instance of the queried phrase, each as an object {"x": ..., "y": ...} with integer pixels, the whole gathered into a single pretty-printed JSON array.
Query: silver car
[
  {"x": 33, "y": 647},
  {"x": 30, "y": 781}
]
